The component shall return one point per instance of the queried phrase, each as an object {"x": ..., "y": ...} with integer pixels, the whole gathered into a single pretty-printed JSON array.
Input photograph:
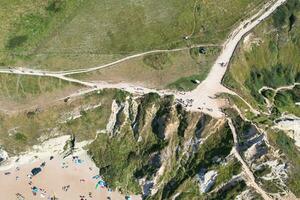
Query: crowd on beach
[{"x": 42, "y": 193}]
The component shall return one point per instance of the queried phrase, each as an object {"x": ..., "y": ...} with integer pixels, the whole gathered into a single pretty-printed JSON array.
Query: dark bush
[{"x": 16, "y": 41}]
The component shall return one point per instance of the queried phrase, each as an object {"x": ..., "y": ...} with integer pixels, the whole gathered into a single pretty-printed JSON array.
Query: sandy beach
[{"x": 74, "y": 177}]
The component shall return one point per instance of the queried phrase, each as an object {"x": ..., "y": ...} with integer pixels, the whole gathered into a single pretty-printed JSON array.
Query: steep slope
[
  {"x": 265, "y": 72},
  {"x": 268, "y": 57},
  {"x": 156, "y": 148},
  {"x": 151, "y": 145}
]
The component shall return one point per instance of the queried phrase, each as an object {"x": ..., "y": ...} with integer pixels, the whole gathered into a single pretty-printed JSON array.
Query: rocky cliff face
[
  {"x": 154, "y": 147},
  {"x": 151, "y": 145}
]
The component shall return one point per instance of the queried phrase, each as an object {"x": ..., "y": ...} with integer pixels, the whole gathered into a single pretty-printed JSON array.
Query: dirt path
[
  {"x": 249, "y": 175},
  {"x": 270, "y": 103},
  {"x": 287, "y": 87}
]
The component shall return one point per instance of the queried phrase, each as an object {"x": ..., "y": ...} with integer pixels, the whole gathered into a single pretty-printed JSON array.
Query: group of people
[{"x": 43, "y": 193}]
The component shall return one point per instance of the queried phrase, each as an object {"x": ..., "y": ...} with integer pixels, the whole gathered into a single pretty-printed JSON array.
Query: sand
[{"x": 56, "y": 174}]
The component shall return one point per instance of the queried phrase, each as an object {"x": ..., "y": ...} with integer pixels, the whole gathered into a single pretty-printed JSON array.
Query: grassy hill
[{"x": 60, "y": 34}]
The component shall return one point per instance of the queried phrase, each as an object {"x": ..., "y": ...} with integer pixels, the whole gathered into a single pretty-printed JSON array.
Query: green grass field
[
  {"x": 26, "y": 25},
  {"x": 60, "y": 34}
]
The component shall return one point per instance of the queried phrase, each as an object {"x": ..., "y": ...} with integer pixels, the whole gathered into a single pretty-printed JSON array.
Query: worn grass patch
[
  {"x": 20, "y": 131},
  {"x": 159, "y": 70},
  {"x": 20, "y": 88}
]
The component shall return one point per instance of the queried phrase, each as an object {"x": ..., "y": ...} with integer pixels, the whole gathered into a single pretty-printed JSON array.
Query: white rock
[
  {"x": 3, "y": 155},
  {"x": 115, "y": 108},
  {"x": 292, "y": 127},
  {"x": 207, "y": 180}
]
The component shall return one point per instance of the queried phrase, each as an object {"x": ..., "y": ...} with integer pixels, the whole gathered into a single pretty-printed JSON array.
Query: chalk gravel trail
[{"x": 248, "y": 173}]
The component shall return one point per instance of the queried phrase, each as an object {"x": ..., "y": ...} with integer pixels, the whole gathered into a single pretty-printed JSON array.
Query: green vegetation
[
  {"x": 117, "y": 160},
  {"x": 286, "y": 101},
  {"x": 225, "y": 172},
  {"x": 187, "y": 83},
  {"x": 91, "y": 121},
  {"x": 274, "y": 77},
  {"x": 271, "y": 58},
  {"x": 169, "y": 22},
  {"x": 264, "y": 170},
  {"x": 157, "y": 61},
  {"x": 231, "y": 192},
  {"x": 122, "y": 159},
  {"x": 135, "y": 151},
  {"x": 190, "y": 190},
  {"x": 16, "y": 41},
  {"x": 55, "y": 6},
  {"x": 32, "y": 27},
  {"x": 243, "y": 107},
  {"x": 269, "y": 94},
  {"x": 29, "y": 26},
  {"x": 20, "y": 137},
  {"x": 219, "y": 144},
  {"x": 286, "y": 14},
  {"x": 58, "y": 33},
  {"x": 121, "y": 96},
  {"x": 270, "y": 186},
  {"x": 20, "y": 131},
  {"x": 147, "y": 101},
  {"x": 163, "y": 117}
]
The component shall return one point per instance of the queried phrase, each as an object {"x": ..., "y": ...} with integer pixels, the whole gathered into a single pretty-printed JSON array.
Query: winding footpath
[
  {"x": 271, "y": 102},
  {"x": 203, "y": 98},
  {"x": 248, "y": 173}
]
